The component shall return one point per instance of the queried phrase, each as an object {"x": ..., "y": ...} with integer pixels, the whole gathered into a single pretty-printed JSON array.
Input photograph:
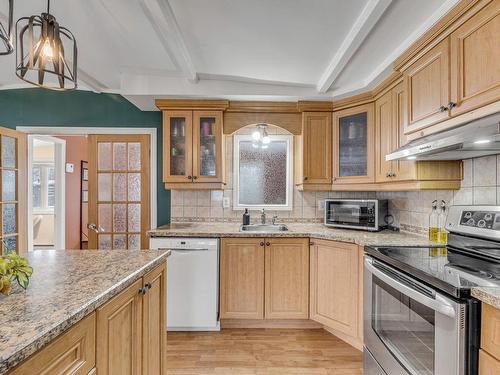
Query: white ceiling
[{"x": 235, "y": 49}]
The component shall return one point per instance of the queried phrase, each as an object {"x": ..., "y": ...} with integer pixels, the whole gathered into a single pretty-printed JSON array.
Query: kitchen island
[{"x": 69, "y": 288}]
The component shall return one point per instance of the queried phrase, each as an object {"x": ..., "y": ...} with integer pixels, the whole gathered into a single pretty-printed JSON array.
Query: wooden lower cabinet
[
  {"x": 281, "y": 264},
  {"x": 131, "y": 329},
  {"x": 336, "y": 288},
  {"x": 287, "y": 278},
  {"x": 242, "y": 278},
  {"x": 71, "y": 353},
  {"x": 488, "y": 365}
]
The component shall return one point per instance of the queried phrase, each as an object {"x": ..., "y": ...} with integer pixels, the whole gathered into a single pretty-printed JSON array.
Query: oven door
[{"x": 408, "y": 327}]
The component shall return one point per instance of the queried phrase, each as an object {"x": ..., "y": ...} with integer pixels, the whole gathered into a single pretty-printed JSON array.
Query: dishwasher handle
[{"x": 184, "y": 249}]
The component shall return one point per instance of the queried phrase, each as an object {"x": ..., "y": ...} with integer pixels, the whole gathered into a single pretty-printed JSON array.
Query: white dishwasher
[{"x": 192, "y": 283}]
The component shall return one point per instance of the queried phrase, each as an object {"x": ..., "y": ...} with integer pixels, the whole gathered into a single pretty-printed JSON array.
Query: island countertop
[
  {"x": 317, "y": 231},
  {"x": 66, "y": 286}
]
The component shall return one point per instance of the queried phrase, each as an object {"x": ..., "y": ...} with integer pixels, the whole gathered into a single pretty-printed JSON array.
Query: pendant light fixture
[
  {"x": 260, "y": 137},
  {"x": 6, "y": 46},
  {"x": 41, "y": 54}
]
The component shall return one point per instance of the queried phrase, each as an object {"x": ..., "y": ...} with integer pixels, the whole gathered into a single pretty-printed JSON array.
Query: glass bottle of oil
[
  {"x": 434, "y": 223},
  {"x": 443, "y": 233}
]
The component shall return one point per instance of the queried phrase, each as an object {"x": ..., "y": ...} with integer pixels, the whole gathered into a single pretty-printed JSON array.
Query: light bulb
[
  {"x": 266, "y": 140},
  {"x": 256, "y": 135},
  {"x": 47, "y": 50}
]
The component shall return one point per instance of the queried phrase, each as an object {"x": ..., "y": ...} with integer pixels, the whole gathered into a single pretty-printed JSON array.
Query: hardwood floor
[{"x": 261, "y": 352}]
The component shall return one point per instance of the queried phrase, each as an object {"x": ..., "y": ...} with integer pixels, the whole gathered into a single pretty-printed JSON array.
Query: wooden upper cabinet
[
  {"x": 242, "y": 278},
  {"x": 13, "y": 185},
  {"x": 427, "y": 88},
  {"x": 353, "y": 141},
  {"x": 385, "y": 135},
  {"x": 177, "y": 146},
  {"x": 119, "y": 337},
  {"x": 475, "y": 60},
  {"x": 207, "y": 146},
  {"x": 287, "y": 278},
  {"x": 335, "y": 286},
  {"x": 316, "y": 149},
  {"x": 154, "y": 350},
  {"x": 193, "y": 155}
]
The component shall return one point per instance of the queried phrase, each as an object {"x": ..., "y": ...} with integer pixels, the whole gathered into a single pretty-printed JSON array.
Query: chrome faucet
[
  {"x": 263, "y": 217},
  {"x": 275, "y": 217}
]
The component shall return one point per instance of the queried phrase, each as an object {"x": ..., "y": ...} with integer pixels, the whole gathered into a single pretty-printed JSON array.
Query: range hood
[{"x": 477, "y": 138}]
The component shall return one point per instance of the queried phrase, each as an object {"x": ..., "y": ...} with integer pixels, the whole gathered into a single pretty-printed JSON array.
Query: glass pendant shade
[
  {"x": 6, "y": 46},
  {"x": 46, "y": 53}
]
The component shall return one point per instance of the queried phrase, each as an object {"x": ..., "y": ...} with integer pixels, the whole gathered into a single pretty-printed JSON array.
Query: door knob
[
  {"x": 443, "y": 108},
  {"x": 95, "y": 228}
]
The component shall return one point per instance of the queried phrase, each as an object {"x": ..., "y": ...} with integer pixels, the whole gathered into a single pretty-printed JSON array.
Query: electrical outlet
[
  {"x": 70, "y": 168},
  {"x": 321, "y": 205},
  {"x": 226, "y": 202}
]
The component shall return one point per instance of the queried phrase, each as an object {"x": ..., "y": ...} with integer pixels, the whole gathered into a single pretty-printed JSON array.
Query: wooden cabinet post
[{"x": 154, "y": 338}]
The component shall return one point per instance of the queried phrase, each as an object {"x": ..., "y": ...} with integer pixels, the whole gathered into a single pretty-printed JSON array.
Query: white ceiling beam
[
  {"x": 91, "y": 82},
  {"x": 162, "y": 18},
  {"x": 369, "y": 16}
]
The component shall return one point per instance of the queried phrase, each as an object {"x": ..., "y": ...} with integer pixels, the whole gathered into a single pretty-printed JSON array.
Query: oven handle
[{"x": 438, "y": 304}]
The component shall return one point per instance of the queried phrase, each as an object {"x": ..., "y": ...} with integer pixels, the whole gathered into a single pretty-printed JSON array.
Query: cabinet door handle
[
  {"x": 387, "y": 174},
  {"x": 393, "y": 174},
  {"x": 190, "y": 177},
  {"x": 305, "y": 178},
  {"x": 443, "y": 108},
  {"x": 195, "y": 177},
  {"x": 148, "y": 285},
  {"x": 268, "y": 244},
  {"x": 451, "y": 105},
  {"x": 261, "y": 244},
  {"x": 311, "y": 243},
  {"x": 142, "y": 291}
]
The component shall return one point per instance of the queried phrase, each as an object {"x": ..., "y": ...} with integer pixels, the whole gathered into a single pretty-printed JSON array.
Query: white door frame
[
  {"x": 85, "y": 130},
  {"x": 60, "y": 190}
]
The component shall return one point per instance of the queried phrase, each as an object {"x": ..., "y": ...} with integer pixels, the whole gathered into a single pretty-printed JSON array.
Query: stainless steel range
[{"x": 419, "y": 316}]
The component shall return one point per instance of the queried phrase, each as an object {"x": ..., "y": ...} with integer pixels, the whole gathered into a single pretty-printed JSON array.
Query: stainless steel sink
[{"x": 264, "y": 228}]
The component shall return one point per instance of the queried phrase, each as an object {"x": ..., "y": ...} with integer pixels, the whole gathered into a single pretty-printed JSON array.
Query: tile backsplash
[{"x": 410, "y": 210}]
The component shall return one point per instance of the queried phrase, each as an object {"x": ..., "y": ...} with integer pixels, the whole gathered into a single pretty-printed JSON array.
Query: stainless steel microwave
[{"x": 366, "y": 214}]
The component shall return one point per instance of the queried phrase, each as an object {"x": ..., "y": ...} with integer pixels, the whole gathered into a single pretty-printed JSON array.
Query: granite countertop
[
  {"x": 489, "y": 295},
  {"x": 66, "y": 286},
  {"x": 318, "y": 231}
]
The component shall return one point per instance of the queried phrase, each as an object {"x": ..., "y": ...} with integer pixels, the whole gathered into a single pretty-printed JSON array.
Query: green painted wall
[{"x": 40, "y": 107}]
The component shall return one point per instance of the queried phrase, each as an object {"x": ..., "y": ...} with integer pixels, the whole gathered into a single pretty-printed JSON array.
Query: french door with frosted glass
[
  {"x": 13, "y": 191},
  {"x": 119, "y": 200}
]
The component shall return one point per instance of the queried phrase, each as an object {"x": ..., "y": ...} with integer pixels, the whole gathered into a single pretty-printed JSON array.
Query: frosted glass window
[{"x": 263, "y": 175}]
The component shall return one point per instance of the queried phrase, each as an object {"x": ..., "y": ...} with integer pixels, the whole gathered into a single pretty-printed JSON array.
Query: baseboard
[
  {"x": 353, "y": 341},
  {"x": 270, "y": 323}
]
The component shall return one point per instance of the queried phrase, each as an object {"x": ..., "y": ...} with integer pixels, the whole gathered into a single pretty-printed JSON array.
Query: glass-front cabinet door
[
  {"x": 12, "y": 191},
  {"x": 177, "y": 140},
  {"x": 207, "y": 146},
  {"x": 353, "y": 145}
]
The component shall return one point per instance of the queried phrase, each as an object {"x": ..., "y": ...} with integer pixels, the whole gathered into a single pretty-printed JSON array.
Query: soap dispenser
[{"x": 246, "y": 217}]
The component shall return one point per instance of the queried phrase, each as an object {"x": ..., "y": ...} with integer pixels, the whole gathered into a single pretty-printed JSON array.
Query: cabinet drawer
[
  {"x": 487, "y": 364},
  {"x": 71, "y": 353},
  {"x": 490, "y": 330}
]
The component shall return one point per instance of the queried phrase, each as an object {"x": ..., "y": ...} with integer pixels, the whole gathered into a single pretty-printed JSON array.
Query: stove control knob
[
  {"x": 471, "y": 222},
  {"x": 481, "y": 223},
  {"x": 487, "y": 217},
  {"x": 468, "y": 215}
]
